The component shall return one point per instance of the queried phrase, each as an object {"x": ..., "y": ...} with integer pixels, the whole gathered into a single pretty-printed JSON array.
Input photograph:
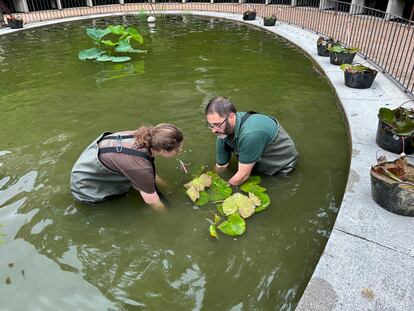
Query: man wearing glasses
[{"x": 257, "y": 140}]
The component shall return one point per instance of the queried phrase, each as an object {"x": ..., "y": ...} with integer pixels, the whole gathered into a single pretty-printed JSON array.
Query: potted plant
[
  {"x": 249, "y": 15},
  {"x": 392, "y": 185},
  {"x": 395, "y": 132},
  {"x": 339, "y": 54},
  {"x": 358, "y": 76},
  {"x": 15, "y": 21},
  {"x": 322, "y": 45},
  {"x": 269, "y": 20}
]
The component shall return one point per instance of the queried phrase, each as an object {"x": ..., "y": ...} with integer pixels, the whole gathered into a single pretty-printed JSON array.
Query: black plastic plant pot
[
  {"x": 387, "y": 140},
  {"x": 360, "y": 80},
  {"x": 391, "y": 195},
  {"x": 249, "y": 16},
  {"x": 323, "y": 49},
  {"x": 341, "y": 58},
  {"x": 15, "y": 24},
  {"x": 269, "y": 21}
]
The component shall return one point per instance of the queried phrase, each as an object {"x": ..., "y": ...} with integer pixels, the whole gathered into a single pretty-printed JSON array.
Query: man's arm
[
  {"x": 153, "y": 200},
  {"x": 242, "y": 174}
]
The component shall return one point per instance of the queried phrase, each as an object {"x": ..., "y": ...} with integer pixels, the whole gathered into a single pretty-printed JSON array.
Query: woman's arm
[{"x": 153, "y": 200}]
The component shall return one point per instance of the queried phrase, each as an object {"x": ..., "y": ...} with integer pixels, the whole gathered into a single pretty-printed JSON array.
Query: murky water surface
[{"x": 122, "y": 255}]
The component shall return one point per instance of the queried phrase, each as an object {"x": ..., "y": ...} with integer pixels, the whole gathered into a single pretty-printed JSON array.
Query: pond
[{"x": 121, "y": 254}]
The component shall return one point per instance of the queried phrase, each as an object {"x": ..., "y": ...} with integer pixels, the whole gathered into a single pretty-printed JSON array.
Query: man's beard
[{"x": 226, "y": 132}]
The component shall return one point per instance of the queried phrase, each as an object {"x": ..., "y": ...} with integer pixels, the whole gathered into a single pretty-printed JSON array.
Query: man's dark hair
[{"x": 220, "y": 105}]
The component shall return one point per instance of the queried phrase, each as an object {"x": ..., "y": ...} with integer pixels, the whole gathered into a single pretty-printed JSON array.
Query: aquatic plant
[
  {"x": 342, "y": 49},
  {"x": 400, "y": 120},
  {"x": 107, "y": 50},
  {"x": 232, "y": 208}
]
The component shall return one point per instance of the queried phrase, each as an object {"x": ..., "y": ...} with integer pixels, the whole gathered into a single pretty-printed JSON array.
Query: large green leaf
[
  {"x": 92, "y": 53},
  {"x": 219, "y": 189},
  {"x": 104, "y": 58},
  {"x": 108, "y": 43},
  {"x": 120, "y": 59},
  {"x": 203, "y": 199},
  {"x": 234, "y": 225},
  {"x": 253, "y": 188},
  {"x": 135, "y": 35},
  {"x": 264, "y": 201},
  {"x": 404, "y": 127},
  {"x": 96, "y": 33},
  {"x": 124, "y": 47},
  {"x": 387, "y": 115},
  {"x": 117, "y": 29},
  {"x": 238, "y": 202}
]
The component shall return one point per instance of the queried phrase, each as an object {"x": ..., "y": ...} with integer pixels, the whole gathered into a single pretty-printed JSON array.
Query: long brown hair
[{"x": 162, "y": 137}]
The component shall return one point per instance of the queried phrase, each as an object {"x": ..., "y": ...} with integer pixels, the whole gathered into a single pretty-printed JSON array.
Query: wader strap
[
  {"x": 117, "y": 137},
  {"x": 128, "y": 151}
]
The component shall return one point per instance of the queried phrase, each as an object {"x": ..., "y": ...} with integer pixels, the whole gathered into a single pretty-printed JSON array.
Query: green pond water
[{"x": 122, "y": 255}]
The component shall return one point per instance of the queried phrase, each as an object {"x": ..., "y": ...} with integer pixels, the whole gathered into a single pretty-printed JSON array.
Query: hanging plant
[
  {"x": 108, "y": 50},
  {"x": 231, "y": 208}
]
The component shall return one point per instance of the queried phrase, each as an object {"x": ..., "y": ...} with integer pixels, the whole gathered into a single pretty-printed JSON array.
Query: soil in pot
[{"x": 392, "y": 186}]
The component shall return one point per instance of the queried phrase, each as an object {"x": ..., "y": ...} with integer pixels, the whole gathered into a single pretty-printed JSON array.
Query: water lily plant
[
  {"x": 337, "y": 48},
  {"x": 400, "y": 120},
  {"x": 357, "y": 68},
  {"x": 112, "y": 50},
  {"x": 231, "y": 208}
]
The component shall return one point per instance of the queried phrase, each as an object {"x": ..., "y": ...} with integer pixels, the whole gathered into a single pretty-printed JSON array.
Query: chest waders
[
  {"x": 92, "y": 181},
  {"x": 279, "y": 156}
]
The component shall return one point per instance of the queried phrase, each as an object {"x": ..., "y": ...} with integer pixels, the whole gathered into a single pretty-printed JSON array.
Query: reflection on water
[{"x": 121, "y": 255}]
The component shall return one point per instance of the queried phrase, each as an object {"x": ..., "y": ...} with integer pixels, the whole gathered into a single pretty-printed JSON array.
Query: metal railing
[{"x": 386, "y": 40}]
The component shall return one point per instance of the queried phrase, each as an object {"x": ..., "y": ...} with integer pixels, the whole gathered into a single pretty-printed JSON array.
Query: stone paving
[{"x": 388, "y": 44}]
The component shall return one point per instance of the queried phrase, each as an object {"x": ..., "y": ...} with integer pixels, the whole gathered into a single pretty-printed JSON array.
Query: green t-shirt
[{"x": 249, "y": 141}]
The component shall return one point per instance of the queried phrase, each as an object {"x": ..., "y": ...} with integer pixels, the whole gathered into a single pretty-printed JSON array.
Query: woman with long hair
[{"x": 115, "y": 162}]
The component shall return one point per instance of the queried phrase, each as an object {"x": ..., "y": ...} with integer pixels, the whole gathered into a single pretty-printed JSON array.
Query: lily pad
[
  {"x": 219, "y": 189},
  {"x": 238, "y": 202},
  {"x": 92, "y": 53},
  {"x": 203, "y": 199},
  {"x": 193, "y": 194},
  {"x": 199, "y": 183},
  {"x": 387, "y": 115},
  {"x": 233, "y": 226},
  {"x": 264, "y": 201}
]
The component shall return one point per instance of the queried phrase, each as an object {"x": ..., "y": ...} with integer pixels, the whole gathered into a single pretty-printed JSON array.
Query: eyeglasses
[{"x": 216, "y": 125}]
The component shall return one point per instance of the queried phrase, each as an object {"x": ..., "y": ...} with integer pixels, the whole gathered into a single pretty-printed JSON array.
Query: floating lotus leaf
[
  {"x": 253, "y": 188},
  {"x": 234, "y": 225},
  {"x": 203, "y": 199},
  {"x": 213, "y": 231},
  {"x": 238, "y": 202},
  {"x": 104, "y": 58},
  {"x": 264, "y": 200},
  {"x": 199, "y": 183},
  {"x": 108, "y": 42},
  {"x": 193, "y": 194},
  {"x": 232, "y": 203},
  {"x": 255, "y": 199},
  {"x": 247, "y": 209},
  {"x": 117, "y": 29},
  {"x": 219, "y": 189},
  {"x": 135, "y": 35},
  {"x": 92, "y": 53},
  {"x": 96, "y": 33},
  {"x": 125, "y": 47}
]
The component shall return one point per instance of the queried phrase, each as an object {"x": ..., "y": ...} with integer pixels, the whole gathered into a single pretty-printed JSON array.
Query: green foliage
[
  {"x": 400, "y": 120},
  {"x": 357, "y": 68},
  {"x": 231, "y": 209},
  {"x": 107, "y": 48},
  {"x": 342, "y": 49},
  {"x": 234, "y": 225}
]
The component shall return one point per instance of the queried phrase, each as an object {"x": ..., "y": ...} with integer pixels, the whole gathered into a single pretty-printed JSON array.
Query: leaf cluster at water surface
[
  {"x": 107, "y": 49},
  {"x": 234, "y": 208}
]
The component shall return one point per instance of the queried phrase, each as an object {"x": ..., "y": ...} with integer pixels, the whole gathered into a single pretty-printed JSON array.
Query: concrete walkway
[{"x": 368, "y": 262}]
